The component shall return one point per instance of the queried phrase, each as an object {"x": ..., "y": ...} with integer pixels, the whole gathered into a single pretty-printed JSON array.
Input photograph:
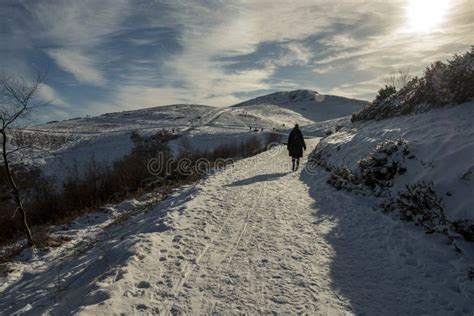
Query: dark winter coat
[{"x": 296, "y": 143}]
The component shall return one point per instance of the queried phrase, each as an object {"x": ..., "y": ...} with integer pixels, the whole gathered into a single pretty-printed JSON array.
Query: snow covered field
[{"x": 251, "y": 239}]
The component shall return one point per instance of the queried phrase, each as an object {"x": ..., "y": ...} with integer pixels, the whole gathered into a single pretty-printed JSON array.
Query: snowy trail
[
  {"x": 257, "y": 239},
  {"x": 247, "y": 243}
]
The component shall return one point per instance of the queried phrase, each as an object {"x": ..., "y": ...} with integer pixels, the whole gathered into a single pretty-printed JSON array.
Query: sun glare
[{"x": 426, "y": 15}]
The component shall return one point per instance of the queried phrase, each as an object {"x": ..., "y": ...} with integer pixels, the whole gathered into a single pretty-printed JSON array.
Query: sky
[{"x": 113, "y": 55}]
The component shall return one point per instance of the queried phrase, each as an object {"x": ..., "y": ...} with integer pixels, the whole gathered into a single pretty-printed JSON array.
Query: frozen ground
[{"x": 251, "y": 239}]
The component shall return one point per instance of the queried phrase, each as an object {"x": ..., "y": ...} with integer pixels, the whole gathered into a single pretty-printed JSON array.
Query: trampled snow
[{"x": 251, "y": 239}]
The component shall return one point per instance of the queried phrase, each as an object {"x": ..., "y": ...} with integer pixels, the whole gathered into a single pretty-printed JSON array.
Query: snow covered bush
[
  {"x": 374, "y": 173},
  {"x": 380, "y": 108},
  {"x": 384, "y": 94},
  {"x": 436, "y": 89},
  {"x": 420, "y": 204},
  {"x": 342, "y": 178},
  {"x": 460, "y": 77},
  {"x": 405, "y": 165},
  {"x": 442, "y": 84},
  {"x": 380, "y": 167}
]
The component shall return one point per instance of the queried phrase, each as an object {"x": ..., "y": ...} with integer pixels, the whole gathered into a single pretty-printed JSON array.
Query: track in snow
[
  {"x": 258, "y": 239},
  {"x": 246, "y": 243}
]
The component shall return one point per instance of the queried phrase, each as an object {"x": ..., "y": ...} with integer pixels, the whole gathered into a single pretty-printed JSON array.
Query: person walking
[{"x": 295, "y": 146}]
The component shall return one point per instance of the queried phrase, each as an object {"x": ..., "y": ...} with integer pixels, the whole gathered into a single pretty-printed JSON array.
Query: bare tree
[
  {"x": 17, "y": 100},
  {"x": 398, "y": 79}
]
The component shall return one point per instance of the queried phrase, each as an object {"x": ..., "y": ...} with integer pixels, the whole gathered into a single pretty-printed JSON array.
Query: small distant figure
[
  {"x": 250, "y": 128},
  {"x": 295, "y": 146}
]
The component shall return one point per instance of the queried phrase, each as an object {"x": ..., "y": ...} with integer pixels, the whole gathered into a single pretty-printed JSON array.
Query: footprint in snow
[
  {"x": 143, "y": 285},
  {"x": 177, "y": 238},
  {"x": 141, "y": 307}
]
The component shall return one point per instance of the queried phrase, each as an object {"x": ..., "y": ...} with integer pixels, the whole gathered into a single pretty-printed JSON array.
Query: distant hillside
[
  {"x": 160, "y": 116},
  {"x": 310, "y": 104},
  {"x": 106, "y": 138},
  {"x": 276, "y": 109}
]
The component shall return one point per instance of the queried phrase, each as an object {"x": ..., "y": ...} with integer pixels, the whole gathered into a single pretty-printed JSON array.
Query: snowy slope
[
  {"x": 106, "y": 138},
  {"x": 310, "y": 104},
  {"x": 442, "y": 142},
  {"x": 251, "y": 239},
  {"x": 177, "y": 115}
]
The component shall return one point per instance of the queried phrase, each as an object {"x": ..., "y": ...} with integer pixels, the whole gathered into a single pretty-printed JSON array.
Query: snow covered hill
[
  {"x": 106, "y": 138},
  {"x": 176, "y": 115},
  {"x": 251, "y": 239},
  {"x": 310, "y": 104}
]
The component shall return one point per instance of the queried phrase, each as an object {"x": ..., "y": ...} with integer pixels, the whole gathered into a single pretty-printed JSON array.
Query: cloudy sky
[{"x": 112, "y": 55}]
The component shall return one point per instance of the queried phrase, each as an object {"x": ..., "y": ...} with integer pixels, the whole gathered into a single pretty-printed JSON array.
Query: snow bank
[{"x": 441, "y": 144}]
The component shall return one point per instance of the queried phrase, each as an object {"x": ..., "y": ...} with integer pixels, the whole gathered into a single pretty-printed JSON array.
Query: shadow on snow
[
  {"x": 70, "y": 282},
  {"x": 382, "y": 265},
  {"x": 258, "y": 178}
]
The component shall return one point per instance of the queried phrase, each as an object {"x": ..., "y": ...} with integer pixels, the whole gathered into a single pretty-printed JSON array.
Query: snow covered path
[
  {"x": 257, "y": 239},
  {"x": 246, "y": 243}
]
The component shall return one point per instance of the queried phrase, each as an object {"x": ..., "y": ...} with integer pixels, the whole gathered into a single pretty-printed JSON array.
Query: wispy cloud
[
  {"x": 122, "y": 54},
  {"x": 51, "y": 96},
  {"x": 83, "y": 68}
]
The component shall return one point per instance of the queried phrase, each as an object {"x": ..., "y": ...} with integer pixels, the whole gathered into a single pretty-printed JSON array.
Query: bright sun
[{"x": 426, "y": 15}]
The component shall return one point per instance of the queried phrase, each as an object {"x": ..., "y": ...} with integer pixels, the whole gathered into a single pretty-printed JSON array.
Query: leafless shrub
[{"x": 399, "y": 78}]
